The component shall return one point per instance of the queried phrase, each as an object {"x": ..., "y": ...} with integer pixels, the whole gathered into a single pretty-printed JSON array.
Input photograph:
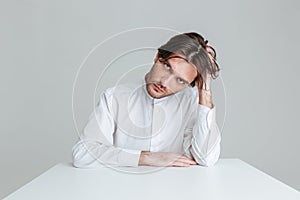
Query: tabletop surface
[{"x": 228, "y": 179}]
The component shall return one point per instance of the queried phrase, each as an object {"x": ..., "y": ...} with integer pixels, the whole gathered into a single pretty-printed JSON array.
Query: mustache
[{"x": 158, "y": 83}]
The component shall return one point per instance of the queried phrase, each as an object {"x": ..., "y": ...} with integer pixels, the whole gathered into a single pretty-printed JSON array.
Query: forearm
[
  {"x": 206, "y": 153},
  {"x": 90, "y": 154},
  {"x": 205, "y": 142}
]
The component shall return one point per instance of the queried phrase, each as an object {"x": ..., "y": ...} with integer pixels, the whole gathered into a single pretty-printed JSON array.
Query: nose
[{"x": 166, "y": 80}]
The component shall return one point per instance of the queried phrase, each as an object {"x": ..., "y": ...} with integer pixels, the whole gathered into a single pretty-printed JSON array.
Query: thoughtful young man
[{"x": 168, "y": 120}]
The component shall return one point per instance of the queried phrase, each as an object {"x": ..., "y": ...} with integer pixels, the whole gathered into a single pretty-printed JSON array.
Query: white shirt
[{"x": 127, "y": 120}]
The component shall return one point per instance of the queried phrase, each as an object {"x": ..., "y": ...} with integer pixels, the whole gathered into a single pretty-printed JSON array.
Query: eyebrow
[{"x": 172, "y": 67}]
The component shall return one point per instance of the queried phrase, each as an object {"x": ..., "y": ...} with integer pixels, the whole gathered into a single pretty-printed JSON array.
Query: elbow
[
  {"x": 206, "y": 160},
  {"x": 78, "y": 162},
  {"x": 78, "y": 158},
  {"x": 82, "y": 158}
]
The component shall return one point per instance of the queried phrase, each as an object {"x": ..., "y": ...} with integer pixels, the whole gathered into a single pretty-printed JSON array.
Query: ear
[{"x": 156, "y": 57}]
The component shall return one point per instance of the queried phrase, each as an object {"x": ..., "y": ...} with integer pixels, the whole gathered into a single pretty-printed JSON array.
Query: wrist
[
  {"x": 208, "y": 105},
  {"x": 144, "y": 157},
  {"x": 205, "y": 98}
]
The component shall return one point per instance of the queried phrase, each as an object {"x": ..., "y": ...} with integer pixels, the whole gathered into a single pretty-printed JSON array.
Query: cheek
[{"x": 154, "y": 74}]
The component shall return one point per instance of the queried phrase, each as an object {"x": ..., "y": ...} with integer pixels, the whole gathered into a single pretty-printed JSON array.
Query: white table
[{"x": 228, "y": 179}]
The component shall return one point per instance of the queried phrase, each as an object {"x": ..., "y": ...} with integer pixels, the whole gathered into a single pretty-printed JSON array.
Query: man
[{"x": 168, "y": 121}]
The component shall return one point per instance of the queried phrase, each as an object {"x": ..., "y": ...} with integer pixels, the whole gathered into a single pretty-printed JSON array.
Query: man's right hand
[{"x": 165, "y": 159}]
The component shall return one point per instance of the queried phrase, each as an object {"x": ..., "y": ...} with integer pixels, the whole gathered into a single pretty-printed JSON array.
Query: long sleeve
[
  {"x": 95, "y": 146},
  {"x": 202, "y": 137}
]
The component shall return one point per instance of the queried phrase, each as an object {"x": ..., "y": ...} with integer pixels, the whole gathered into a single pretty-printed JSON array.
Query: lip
[{"x": 158, "y": 88}]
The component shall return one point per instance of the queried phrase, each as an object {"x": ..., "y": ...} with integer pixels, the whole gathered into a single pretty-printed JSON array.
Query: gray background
[{"x": 43, "y": 43}]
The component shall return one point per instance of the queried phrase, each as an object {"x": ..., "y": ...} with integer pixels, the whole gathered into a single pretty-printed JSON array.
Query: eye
[
  {"x": 167, "y": 66},
  {"x": 181, "y": 81}
]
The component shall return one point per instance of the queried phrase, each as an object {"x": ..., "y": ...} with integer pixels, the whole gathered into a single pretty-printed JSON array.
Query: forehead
[{"x": 183, "y": 69}]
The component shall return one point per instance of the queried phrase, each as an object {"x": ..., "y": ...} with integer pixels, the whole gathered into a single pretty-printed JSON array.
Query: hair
[{"x": 193, "y": 48}]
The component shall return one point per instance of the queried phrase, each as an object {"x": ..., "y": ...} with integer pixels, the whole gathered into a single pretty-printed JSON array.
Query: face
[{"x": 168, "y": 77}]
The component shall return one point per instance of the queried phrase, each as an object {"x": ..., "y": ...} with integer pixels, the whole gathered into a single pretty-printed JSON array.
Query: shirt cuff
[
  {"x": 204, "y": 109},
  {"x": 129, "y": 157},
  {"x": 207, "y": 114}
]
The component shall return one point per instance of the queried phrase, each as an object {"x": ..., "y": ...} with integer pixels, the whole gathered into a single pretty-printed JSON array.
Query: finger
[
  {"x": 179, "y": 160},
  {"x": 190, "y": 159},
  {"x": 187, "y": 160},
  {"x": 199, "y": 82},
  {"x": 208, "y": 81},
  {"x": 204, "y": 86},
  {"x": 180, "y": 164},
  {"x": 190, "y": 162},
  {"x": 184, "y": 156}
]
